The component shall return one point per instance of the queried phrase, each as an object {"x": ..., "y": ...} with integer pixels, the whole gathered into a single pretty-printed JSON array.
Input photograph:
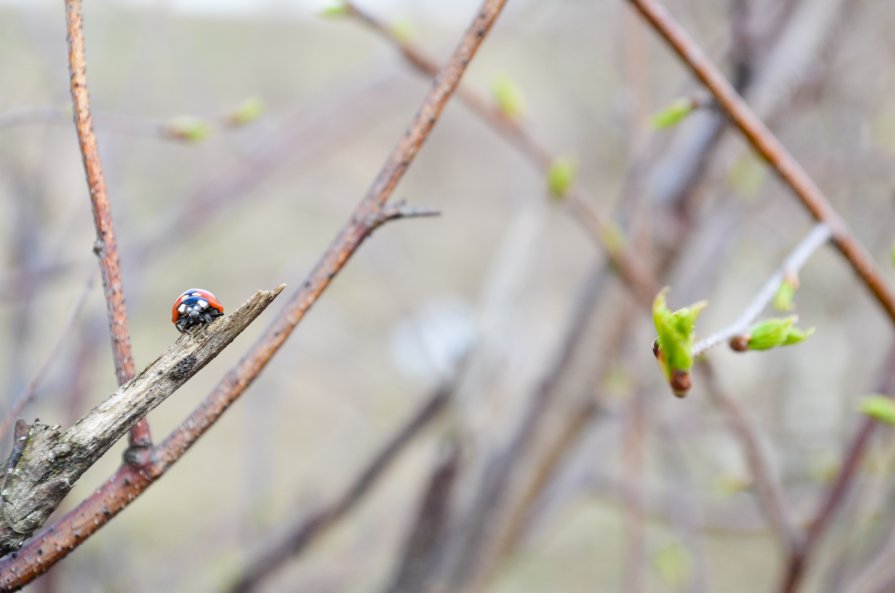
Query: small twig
[
  {"x": 790, "y": 267},
  {"x": 106, "y": 246},
  {"x": 295, "y": 538},
  {"x": 27, "y": 394},
  {"x": 120, "y": 123},
  {"x": 55, "y": 543},
  {"x": 399, "y": 210},
  {"x": 767, "y": 486},
  {"x": 579, "y": 203},
  {"x": 768, "y": 146},
  {"x": 855, "y": 451},
  {"x": 423, "y": 544}
]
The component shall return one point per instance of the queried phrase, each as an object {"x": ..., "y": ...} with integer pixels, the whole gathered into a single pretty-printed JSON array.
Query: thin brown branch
[
  {"x": 767, "y": 485},
  {"x": 423, "y": 547},
  {"x": 578, "y": 203},
  {"x": 28, "y": 394},
  {"x": 771, "y": 149},
  {"x": 801, "y": 555},
  {"x": 295, "y": 538},
  {"x": 789, "y": 268},
  {"x": 106, "y": 246},
  {"x": 56, "y": 542}
]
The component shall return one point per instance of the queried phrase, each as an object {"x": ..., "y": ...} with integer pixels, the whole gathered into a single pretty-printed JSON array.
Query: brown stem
[
  {"x": 579, "y": 204},
  {"x": 767, "y": 486},
  {"x": 55, "y": 543},
  {"x": 768, "y": 146},
  {"x": 106, "y": 246},
  {"x": 801, "y": 555}
]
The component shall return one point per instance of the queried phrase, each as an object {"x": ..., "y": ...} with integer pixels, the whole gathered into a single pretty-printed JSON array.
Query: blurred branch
[
  {"x": 423, "y": 547},
  {"x": 51, "y": 460},
  {"x": 855, "y": 452},
  {"x": 767, "y": 486},
  {"x": 178, "y": 128},
  {"x": 578, "y": 203},
  {"x": 122, "y": 488},
  {"x": 789, "y": 268},
  {"x": 27, "y": 394},
  {"x": 770, "y": 148},
  {"x": 295, "y": 538},
  {"x": 106, "y": 246},
  {"x": 297, "y": 139}
]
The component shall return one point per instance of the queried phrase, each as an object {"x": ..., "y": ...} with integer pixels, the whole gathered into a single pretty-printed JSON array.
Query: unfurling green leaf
[
  {"x": 780, "y": 331},
  {"x": 508, "y": 96},
  {"x": 674, "y": 113},
  {"x": 247, "y": 112},
  {"x": 675, "y": 330},
  {"x": 786, "y": 292},
  {"x": 561, "y": 176},
  {"x": 879, "y": 407},
  {"x": 187, "y": 128},
  {"x": 334, "y": 10}
]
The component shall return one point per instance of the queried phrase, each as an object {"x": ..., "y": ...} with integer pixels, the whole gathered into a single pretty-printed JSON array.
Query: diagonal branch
[
  {"x": 579, "y": 204},
  {"x": 52, "y": 459},
  {"x": 128, "y": 482},
  {"x": 106, "y": 246},
  {"x": 768, "y": 146}
]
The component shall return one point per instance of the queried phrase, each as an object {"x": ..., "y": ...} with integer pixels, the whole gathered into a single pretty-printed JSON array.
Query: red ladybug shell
[{"x": 193, "y": 296}]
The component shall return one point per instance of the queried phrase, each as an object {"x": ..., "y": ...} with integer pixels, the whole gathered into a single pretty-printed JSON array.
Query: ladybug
[{"x": 195, "y": 307}]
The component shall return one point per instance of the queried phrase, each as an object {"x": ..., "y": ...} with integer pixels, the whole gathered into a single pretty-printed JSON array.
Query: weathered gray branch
[{"x": 47, "y": 460}]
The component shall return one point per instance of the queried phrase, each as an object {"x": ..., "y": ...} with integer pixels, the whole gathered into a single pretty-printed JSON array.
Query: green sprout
[
  {"x": 878, "y": 407},
  {"x": 676, "y": 330},
  {"x": 247, "y": 112},
  {"x": 786, "y": 292},
  {"x": 334, "y": 10},
  {"x": 561, "y": 176},
  {"x": 508, "y": 96},
  {"x": 779, "y": 331},
  {"x": 674, "y": 113},
  {"x": 187, "y": 128}
]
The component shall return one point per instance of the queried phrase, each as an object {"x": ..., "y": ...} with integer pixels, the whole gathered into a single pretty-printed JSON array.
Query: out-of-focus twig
[
  {"x": 178, "y": 129},
  {"x": 801, "y": 554},
  {"x": 767, "y": 485},
  {"x": 27, "y": 394},
  {"x": 121, "y": 489},
  {"x": 423, "y": 547},
  {"x": 106, "y": 246},
  {"x": 579, "y": 204},
  {"x": 790, "y": 267},
  {"x": 769, "y": 147},
  {"x": 294, "y": 538}
]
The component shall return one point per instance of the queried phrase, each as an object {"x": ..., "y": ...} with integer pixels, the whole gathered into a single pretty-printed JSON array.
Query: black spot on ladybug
[{"x": 183, "y": 367}]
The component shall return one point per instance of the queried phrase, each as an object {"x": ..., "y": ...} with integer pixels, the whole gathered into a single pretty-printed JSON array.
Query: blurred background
[{"x": 543, "y": 449}]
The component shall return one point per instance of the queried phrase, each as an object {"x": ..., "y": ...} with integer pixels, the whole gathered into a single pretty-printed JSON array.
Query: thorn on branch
[{"x": 398, "y": 210}]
